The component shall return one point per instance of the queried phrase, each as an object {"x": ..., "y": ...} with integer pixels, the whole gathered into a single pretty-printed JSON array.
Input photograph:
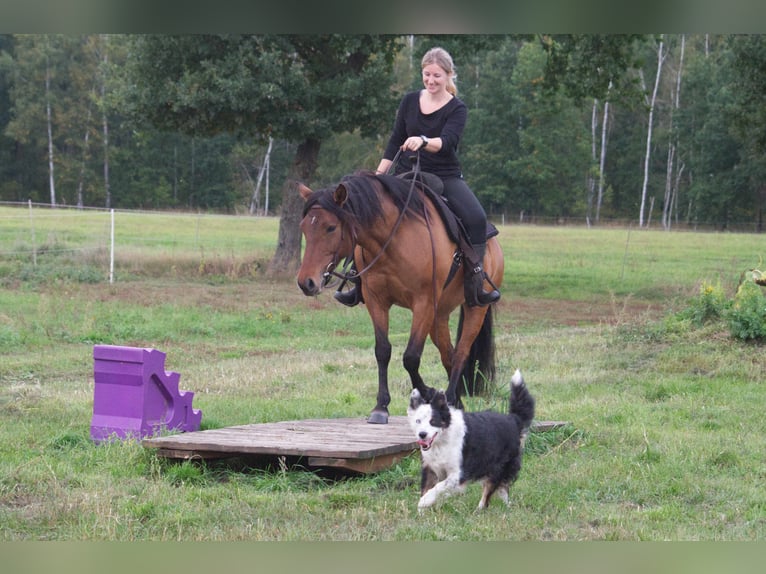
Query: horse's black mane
[{"x": 363, "y": 205}]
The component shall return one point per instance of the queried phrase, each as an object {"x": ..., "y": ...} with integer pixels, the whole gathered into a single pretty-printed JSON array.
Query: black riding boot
[
  {"x": 474, "y": 285},
  {"x": 351, "y": 297}
]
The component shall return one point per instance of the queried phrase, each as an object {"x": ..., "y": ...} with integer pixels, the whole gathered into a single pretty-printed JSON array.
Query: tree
[
  {"x": 597, "y": 67},
  {"x": 651, "y": 103},
  {"x": 675, "y": 166},
  {"x": 490, "y": 139},
  {"x": 296, "y": 88},
  {"x": 591, "y": 66}
]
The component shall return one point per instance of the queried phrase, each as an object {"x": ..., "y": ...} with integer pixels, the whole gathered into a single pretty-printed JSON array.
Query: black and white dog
[{"x": 458, "y": 447}]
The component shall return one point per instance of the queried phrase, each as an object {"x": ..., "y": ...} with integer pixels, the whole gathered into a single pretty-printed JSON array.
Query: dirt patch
[
  {"x": 553, "y": 312},
  {"x": 225, "y": 297},
  {"x": 246, "y": 297}
]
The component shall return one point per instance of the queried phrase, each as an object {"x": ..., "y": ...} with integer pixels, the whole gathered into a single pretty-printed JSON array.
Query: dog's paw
[{"x": 427, "y": 500}]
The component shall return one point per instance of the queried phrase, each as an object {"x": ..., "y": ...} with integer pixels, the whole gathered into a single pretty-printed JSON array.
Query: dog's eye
[{"x": 417, "y": 421}]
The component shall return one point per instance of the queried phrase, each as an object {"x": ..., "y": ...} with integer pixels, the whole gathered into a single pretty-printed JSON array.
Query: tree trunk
[
  {"x": 668, "y": 201},
  {"x": 660, "y": 59},
  {"x": 287, "y": 257},
  {"x": 671, "y": 186},
  {"x": 255, "y": 200},
  {"x": 591, "y": 178},
  {"x": 51, "y": 180},
  {"x": 602, "y": 159},
  {"x": 81, "y": 179}
]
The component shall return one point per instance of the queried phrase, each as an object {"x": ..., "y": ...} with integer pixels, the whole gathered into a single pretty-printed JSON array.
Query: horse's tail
[{"x": 480, "y": 365}]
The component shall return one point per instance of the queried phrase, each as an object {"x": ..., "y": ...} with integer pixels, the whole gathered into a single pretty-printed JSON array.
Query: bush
[
  {"x": 710, "y": 305},
  {"x": 747, "y": 316}
]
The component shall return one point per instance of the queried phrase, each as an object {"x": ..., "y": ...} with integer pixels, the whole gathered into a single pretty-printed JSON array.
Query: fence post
[
  {"x": 34, "y": 241},
  {"x": 111, "y": 249}
]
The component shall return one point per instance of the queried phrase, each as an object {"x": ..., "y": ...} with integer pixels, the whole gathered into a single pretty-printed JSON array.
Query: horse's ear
[
  {"x": 304, "y": 191},
  {"x": 341, "y": 195}
]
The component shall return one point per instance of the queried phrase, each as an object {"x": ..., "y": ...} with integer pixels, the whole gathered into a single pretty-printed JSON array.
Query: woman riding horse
[{"x": 430, "y": 122}]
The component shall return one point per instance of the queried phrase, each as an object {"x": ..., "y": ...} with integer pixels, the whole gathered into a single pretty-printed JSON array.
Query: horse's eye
[{"x": 331, "y": 228}]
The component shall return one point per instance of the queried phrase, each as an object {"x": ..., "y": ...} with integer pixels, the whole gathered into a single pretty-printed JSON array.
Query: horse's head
[{"x": 329, "y": 236}]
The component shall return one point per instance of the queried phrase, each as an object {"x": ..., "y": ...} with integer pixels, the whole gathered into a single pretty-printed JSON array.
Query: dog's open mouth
[{"x": 425, "y": 444}]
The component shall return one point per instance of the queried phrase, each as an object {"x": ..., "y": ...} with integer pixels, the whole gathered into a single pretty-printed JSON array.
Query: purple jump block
[{"x": 134, "y": 397}]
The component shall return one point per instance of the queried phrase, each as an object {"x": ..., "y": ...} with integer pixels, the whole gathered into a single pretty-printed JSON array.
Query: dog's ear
[
  {"x": 439, "y": 401},
  {"x": 441, "y": 411},
  {"x": 415, "y": 399}
]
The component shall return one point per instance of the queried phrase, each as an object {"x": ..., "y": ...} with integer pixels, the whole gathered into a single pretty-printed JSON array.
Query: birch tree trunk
[
  {"x": 256, "y": 199},
  {"x": 49, "y": 119},
  {"x": 591, "y": 179},
  {"x": 679, "y": 164},
  {"x": 602, "y": 159},
  {"x": 660, "y": 60},
  {"x": 81, "y": 179},
  {"x": 668, "y": 200}
]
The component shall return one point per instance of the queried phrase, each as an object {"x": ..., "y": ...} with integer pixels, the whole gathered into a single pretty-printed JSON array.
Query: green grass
[{"x": 665, "y": 433}]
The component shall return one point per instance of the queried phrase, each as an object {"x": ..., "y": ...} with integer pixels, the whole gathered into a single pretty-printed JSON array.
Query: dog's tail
[{"x": 522, "y": 403}]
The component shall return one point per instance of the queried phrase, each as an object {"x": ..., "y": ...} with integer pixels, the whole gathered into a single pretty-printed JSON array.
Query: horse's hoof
[{"x": 378, "y": 418}]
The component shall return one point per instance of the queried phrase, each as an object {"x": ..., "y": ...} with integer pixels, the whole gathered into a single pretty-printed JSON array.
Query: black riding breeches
[{"x": 466, "y": 206}]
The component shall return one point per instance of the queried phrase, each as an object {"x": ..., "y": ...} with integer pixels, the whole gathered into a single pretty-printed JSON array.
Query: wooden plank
[
  {"x": 546, "y": 426},
  {"x": 364, "y": 466},
  {"x": 347, "y": 443},
  {"x": 333, "y": 438}
]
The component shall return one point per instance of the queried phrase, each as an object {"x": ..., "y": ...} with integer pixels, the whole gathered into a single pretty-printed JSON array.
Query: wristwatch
[{"x": 425, "y": 141}]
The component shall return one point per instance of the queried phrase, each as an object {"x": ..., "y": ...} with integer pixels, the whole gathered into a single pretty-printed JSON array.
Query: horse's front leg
[
  {"x": 379, "y": 414},
  {"x": 421, "y": 325},
  {"x": 442, "y": 338}
]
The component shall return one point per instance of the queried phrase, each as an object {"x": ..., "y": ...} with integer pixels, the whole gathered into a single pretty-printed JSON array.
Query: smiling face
[{"x": 435, "y": 79}]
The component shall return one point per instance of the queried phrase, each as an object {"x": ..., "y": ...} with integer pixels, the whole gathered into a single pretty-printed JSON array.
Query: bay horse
[{"x": 405, "y": 256}]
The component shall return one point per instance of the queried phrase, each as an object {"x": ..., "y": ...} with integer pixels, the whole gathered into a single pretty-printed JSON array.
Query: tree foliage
[
  {"x": 301, "y": 89},
  {"x": 186, "y": 113}
]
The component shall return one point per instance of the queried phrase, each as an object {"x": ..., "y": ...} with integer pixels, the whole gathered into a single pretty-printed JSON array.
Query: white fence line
[{"x": 29, "y": 230}]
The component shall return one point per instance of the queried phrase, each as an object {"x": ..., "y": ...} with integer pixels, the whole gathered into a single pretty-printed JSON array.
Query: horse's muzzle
[{"x": 310, "y": 287}]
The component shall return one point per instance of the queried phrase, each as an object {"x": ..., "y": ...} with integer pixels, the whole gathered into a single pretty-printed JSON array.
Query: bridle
[{"x": 348, "y": 273}]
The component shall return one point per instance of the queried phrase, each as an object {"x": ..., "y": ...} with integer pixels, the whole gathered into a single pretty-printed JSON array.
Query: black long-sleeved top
[{"x": 446, "y": 123}]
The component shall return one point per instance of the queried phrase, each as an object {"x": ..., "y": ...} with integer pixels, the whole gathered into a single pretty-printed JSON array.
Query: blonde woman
[{"x": 431, "y": 122}]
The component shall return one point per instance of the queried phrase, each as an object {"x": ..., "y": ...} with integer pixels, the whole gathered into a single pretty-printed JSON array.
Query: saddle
[{"x": 433, "y": 187}]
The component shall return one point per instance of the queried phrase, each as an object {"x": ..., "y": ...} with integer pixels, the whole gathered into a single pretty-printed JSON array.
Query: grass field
[{"x": 665, "y": 440}]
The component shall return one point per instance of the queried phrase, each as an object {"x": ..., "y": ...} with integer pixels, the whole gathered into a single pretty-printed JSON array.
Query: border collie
[{"x": 458, "y": 447}]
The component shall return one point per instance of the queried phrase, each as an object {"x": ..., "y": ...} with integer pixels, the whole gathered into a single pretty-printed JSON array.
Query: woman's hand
[{"x": 413, "y": 143}]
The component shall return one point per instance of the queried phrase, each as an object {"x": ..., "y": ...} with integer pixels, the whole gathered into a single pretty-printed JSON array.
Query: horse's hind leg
[{"x": 472, "y": 324}]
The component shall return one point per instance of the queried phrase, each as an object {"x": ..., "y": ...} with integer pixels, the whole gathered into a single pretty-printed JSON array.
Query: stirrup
[
  {"x": 477, "y": 296},
  {"x": 487, "y": 297},
  {"x": 349, "y": 298}
]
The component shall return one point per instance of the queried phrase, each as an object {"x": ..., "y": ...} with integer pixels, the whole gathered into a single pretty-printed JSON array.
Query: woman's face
[{"x": 435, "y": 78}]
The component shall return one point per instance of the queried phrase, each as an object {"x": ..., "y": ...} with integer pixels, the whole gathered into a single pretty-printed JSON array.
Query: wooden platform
[{"x": 350, "y": 444}]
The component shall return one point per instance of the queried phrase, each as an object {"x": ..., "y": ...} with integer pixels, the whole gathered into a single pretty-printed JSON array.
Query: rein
[{"x": 353, "y": 275}]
